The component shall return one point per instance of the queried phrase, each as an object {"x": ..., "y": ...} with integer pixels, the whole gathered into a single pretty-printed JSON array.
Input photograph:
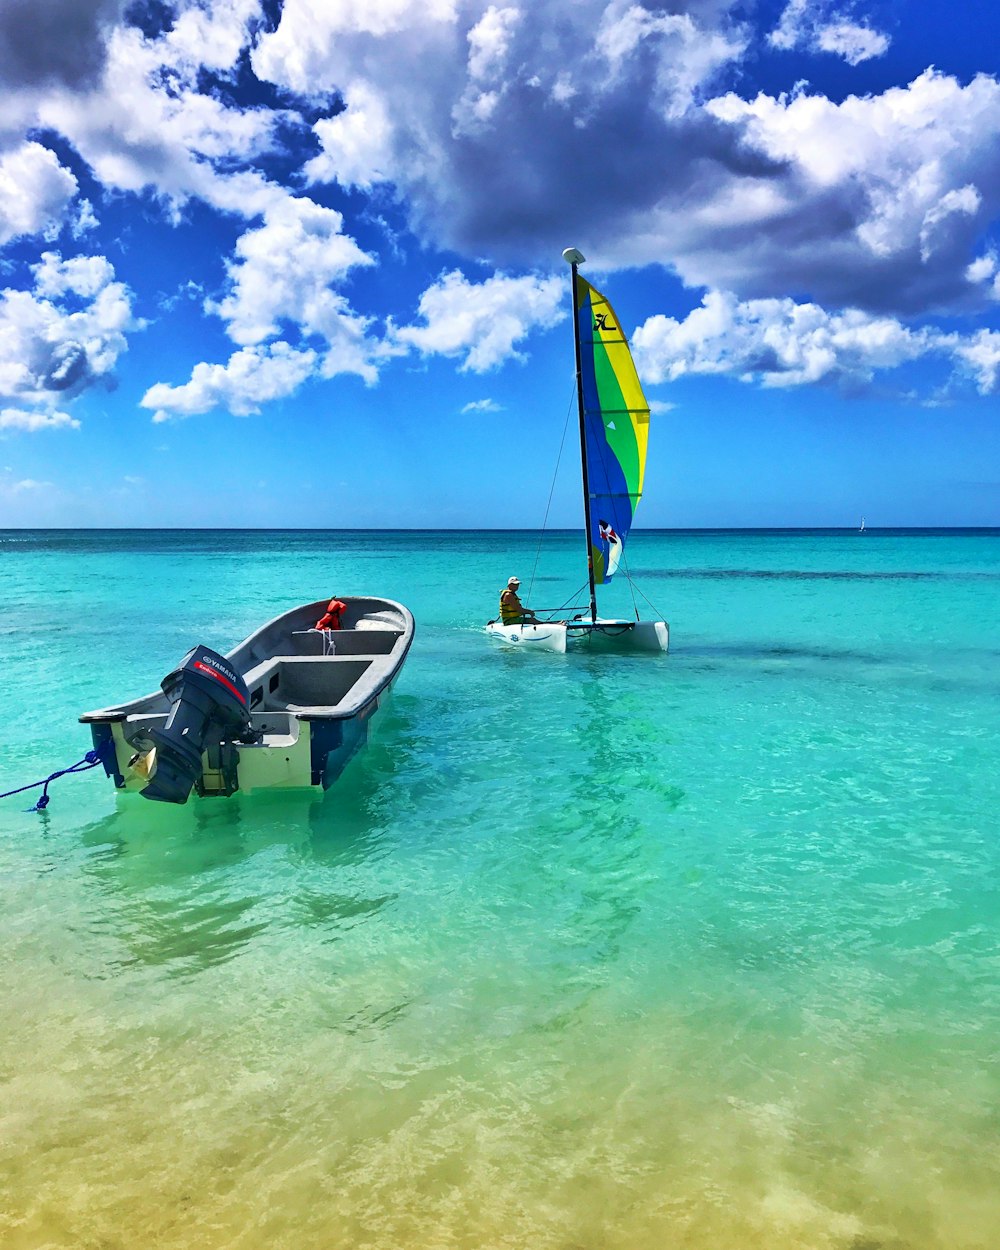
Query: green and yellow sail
[{"x": 616, "y": 428}]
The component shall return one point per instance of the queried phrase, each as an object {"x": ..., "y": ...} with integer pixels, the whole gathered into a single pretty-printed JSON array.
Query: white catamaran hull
[{"x": 605, "y": 635}]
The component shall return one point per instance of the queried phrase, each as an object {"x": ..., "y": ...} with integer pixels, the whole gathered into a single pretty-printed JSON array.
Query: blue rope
[{"x": 90, "y": 760}]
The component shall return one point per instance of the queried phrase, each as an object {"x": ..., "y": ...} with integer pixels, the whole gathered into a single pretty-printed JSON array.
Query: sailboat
[
  {"x": 861, "y": 527},
  {"x": 614, "y": 430}
]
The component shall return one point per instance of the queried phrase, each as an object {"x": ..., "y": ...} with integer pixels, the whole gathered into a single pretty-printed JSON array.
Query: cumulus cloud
[
  {"x": 854, "y": 43},
  {"x": 984, "y": 274},
  {"x": 356, "y": 143},
  {"x": 19, "y": 419},
  {"x": 501, "y": 150},
  {"x": 884, "y": 199},
  {"x": 507, "y": 129},
  {"x": 502, "y": 131},
  {"x": 146, "y": 124},
  {"x": 776, "y": 342},
  {"x": 285, "y": 272},
  {"x": 253, "y": 376},
  {"x": 779, "y": 343},
  {"x": 282, "y": 279},
  {"x": 980, "y": 358},
  {"x": 35, "y": 191},
  {"x": 482, "y": 322},
  {"x": 61, "y": 337},
  {"x": 817, "y": 27}
]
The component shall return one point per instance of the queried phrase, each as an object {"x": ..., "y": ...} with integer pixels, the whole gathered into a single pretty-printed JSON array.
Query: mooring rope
[{"x": 90, "y": 760}]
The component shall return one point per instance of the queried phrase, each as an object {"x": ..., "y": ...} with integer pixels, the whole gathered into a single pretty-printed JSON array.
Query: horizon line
[{"x": 471, "y": 529}]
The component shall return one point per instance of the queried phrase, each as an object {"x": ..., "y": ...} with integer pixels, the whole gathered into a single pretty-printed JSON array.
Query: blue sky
[{"x": 281, "y": 264}]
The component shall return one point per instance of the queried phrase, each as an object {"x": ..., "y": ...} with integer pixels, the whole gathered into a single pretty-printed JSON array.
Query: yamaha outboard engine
[{"x": 211, "y": 709}]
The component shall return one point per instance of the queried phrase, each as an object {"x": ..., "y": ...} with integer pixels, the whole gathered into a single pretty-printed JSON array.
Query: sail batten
[{"x": 616, "y": 428}]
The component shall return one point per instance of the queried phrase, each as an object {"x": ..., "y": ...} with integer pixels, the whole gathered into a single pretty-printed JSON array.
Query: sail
[{"x": 616, "y": 428}]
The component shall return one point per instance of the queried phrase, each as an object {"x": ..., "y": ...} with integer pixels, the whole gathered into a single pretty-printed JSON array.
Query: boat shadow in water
[
  {"x": 188, "y": 888},
  {"x": 778, "y": 652},
  {"x": 604, "y": 844}
]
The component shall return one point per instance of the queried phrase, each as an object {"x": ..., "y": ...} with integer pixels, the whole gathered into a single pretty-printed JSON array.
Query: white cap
[{"x": 513, "y": 581}]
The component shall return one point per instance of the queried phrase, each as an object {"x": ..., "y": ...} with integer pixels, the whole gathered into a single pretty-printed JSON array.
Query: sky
[{"x": 298, "y": 263}]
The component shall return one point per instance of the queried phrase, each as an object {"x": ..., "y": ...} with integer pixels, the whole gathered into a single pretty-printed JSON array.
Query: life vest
[
  {"x": 331, "y": 619},
  {"x": 510, "y": 615}
]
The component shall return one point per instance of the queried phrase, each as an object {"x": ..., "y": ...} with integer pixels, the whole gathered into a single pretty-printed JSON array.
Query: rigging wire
[
  {"x": 631, "y": 585},
  {"x": 644, "y": 596},
  {"x": 552, "y": 489}
]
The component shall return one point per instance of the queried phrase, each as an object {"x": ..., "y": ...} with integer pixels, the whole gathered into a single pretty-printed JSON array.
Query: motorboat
[{"x": 286, "y": 708}]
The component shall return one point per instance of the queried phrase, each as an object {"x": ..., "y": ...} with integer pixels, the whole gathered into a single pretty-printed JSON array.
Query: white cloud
[
  {"x": 980, "y": 357},
  {"x": 85, "y": 219},
  {"x": 984, "y": 272},
  {"x": 495, "y": 146},
  {"x": 889, "y": 194},
  {"x": 816, "y": 27},
  {"x": 489, "y": 41},
  {"x": 482, "y": 322},
  {"x": 687, "y": 55},
  {"x": 146, "y": 125},
  {"x": 482, "y": 405},
  {"x": 35, "y": 191},
  {"x": 776, "y": 342},
  {"x": 63, "y": 336},
  {"x": 318, "y": 42},
  {"x": 489, "y": 44},
  {"x": 494, "y": 123},
  {"x": 964, "y": 201},
  {"x": 253, "y": 376},
  {"x": 356, "y": 143},
  {"x": 284, "y": 273},
  {"x": 31, "y": 422},
  {"x": 29, "y": 484},
  {"x": 854, "y": 43},
  {"x": 779, "y": 343},
  {"x": 80, "y": 275}
]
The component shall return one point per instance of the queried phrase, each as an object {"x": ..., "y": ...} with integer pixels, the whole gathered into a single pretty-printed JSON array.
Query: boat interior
[{"x": 292, "y": 668}]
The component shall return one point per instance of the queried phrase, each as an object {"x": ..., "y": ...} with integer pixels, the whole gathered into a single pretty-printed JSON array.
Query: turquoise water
[{"x": 585, "y": 952}]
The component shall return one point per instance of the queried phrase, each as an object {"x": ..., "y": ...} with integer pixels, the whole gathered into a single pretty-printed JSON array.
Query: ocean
[{"x": 585, "y": 952}]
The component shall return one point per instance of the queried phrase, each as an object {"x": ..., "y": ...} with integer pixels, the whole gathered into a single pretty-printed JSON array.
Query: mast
[{"x": 575, "y": 258}]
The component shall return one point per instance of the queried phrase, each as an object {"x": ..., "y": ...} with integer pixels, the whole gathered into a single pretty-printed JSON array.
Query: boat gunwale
[{"x": 117, "y": 713}]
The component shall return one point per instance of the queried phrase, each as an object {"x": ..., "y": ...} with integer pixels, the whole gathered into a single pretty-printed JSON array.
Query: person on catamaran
[
  {"x": 512, "y": 610},
  {"x": 331, "y": 618}
]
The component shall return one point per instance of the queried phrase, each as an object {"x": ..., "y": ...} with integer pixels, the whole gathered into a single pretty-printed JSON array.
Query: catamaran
[{"x": 614, "y": 430}]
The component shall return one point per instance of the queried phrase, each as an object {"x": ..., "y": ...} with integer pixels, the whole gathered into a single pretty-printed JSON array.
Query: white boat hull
[{"x": 602, "y": 634}]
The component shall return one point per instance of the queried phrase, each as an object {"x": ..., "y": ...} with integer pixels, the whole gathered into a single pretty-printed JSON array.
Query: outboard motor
[{"x": 210, "y": 710}]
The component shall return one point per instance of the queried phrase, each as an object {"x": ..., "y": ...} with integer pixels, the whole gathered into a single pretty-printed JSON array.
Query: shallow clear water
[{"x": 585, "y": 952}]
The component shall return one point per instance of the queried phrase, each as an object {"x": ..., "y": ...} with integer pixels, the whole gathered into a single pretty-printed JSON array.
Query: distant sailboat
[
  {"x": 861, "y": 527},
  {"x": 614, "y": 428}
]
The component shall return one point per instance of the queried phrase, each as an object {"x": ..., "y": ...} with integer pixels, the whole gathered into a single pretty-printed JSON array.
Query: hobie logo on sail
[{"x": 601, "y": 322}]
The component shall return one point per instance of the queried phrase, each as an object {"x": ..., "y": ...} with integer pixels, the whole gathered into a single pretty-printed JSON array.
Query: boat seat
[
  {"x": 312, "y": 642},
  {"x": 308, "y": 642}
]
